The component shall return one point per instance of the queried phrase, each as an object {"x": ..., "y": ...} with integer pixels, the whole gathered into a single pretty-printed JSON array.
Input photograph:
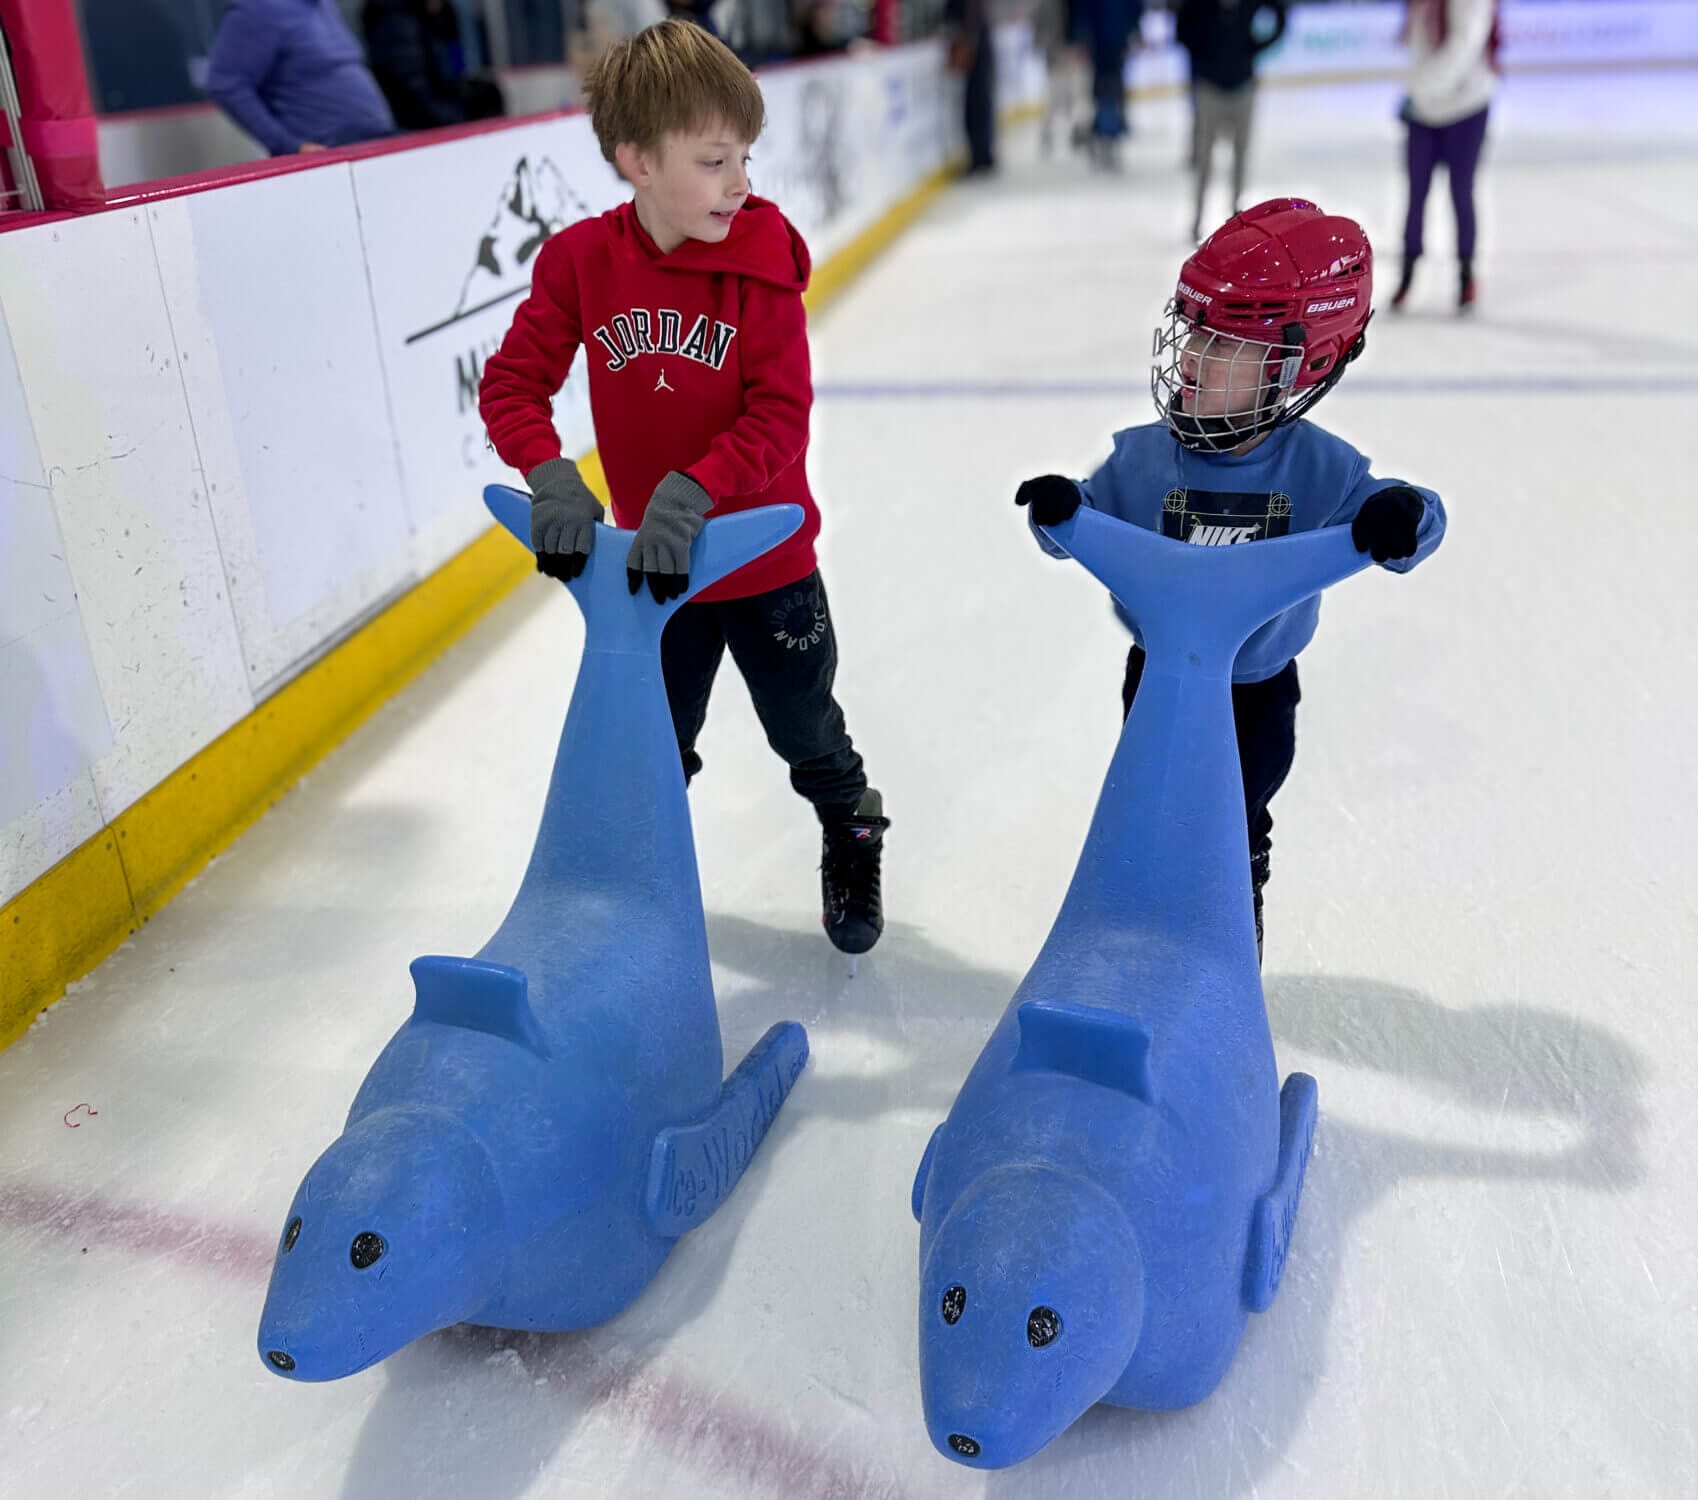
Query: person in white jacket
[{"x": 1453, "y": 48}]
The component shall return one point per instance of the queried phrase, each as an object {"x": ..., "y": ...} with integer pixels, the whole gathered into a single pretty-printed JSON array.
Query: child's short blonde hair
[{"x": 672, "y": 78}]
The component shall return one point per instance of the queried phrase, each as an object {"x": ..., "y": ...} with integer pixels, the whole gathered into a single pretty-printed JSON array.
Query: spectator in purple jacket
[{"x": 292, "y": 75}]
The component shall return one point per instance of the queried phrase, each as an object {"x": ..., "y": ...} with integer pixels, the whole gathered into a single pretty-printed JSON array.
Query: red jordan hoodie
[{"x": 698, "y": 362}]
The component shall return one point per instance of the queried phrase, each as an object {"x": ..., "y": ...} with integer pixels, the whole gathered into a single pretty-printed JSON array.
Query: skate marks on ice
[{"x": 1542, "y": 1065}]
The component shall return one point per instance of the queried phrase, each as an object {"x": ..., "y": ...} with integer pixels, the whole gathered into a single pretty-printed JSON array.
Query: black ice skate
[{"x": 853, "y": 911}]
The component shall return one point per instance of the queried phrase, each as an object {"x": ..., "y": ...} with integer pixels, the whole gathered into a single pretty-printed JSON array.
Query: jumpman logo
[{"x": 661, "y": 385}]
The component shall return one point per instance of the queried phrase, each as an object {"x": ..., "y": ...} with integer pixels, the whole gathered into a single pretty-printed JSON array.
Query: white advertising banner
[
  {"x": 1608, "y": 31},
  {"x": 808, "y": 159},
  {"x": 919, "y": 120},
  {"x": 451, "y": 234}
]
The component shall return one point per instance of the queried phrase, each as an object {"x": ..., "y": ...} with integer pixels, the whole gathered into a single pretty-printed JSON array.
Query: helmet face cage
[{"x": 1216, "y": 390}]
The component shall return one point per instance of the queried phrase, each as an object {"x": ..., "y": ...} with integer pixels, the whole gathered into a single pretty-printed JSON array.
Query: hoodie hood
[
  {"x": 763, "y": 245},
  {"x": 697, "y": 364}
]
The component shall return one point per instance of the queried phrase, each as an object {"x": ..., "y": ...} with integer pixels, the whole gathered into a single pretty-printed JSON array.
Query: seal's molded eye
[
  {"x": 367, "y": 1250},
  {"x": 954, "y": 1304},
  {"x": 1043, "y": 1326},
  {"x": 290, "y": 1235}
]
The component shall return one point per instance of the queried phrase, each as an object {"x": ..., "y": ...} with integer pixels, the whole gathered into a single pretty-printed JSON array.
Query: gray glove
[
  {"x": 563, "y": 518},
  {"x": 660, "y": 551}
]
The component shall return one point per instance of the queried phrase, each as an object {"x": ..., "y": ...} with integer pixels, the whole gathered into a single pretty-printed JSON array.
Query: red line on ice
[
  {"x": 148, "y": 1231},
  {"x": 711, "y": 1430}
]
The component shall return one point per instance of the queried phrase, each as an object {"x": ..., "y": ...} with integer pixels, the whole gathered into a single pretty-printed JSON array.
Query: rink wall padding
[{"x": 240, "y": 469}]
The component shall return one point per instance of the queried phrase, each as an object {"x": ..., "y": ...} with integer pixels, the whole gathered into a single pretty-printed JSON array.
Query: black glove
[
  {"x": 660, "y": 551},
  {"x": 1387, "y": 523},
  {"x": 563, "y": 518},
  {"x": 1052, "y": 498}
]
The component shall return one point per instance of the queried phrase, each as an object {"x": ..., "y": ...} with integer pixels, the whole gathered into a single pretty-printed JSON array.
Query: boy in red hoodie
[{"x": 687, "y": 302}]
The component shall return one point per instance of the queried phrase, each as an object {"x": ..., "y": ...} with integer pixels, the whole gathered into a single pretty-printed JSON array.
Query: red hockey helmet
[{"x": 1266, "y": 316}]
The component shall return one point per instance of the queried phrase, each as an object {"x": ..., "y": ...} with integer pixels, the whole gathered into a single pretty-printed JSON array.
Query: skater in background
[
  {"x": 1233, "y": 459},
  {"x": 1111, "y": 27},
  {"x": 971, "y": 31},
  {"x": 1221, "y": 44},
  {"x": 686, "y": 304},
  {"x": 1057, "y": 38},
  {"x": 418, "y": 57},
  {"x": 1453, "y": 50}
]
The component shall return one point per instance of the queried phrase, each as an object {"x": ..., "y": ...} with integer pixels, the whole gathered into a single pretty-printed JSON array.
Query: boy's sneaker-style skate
[{"x": 853, "y": 909}]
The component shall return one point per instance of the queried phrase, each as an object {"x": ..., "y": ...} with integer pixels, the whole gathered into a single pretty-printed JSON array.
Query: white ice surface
[{"x": 1480, "y": 931}]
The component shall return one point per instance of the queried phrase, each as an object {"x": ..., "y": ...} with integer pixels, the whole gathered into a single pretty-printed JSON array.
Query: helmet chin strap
[
  {"x": 1303, "y": 403},
  {"x": 1221, "y": 434}
]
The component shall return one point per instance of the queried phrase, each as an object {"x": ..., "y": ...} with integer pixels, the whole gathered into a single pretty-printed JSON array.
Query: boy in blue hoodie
[{"x": 1268, "y": 314}]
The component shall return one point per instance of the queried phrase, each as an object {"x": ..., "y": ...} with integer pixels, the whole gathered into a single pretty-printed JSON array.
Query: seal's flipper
[
  {"x": 917, "y": 1199},
  {"x": 1276, "y": 1210},
  {"x": 694, "y": 1167}
]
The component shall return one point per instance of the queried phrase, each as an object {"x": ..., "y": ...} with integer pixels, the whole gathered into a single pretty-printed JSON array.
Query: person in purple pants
[{"x": 1453, "y": 47}]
